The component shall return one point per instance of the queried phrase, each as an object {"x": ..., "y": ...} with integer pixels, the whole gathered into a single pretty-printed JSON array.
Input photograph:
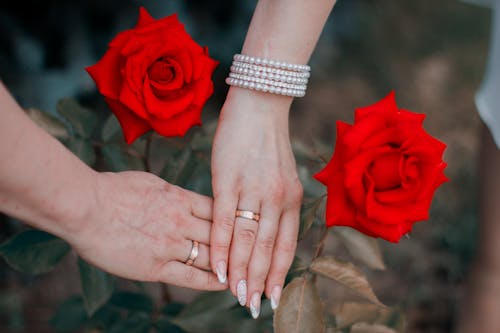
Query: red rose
[
  {"x": 384, "y": 171},
  {"x": 155, "y": 76}
]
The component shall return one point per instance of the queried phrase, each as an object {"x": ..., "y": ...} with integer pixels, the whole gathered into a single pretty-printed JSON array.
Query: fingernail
[
  {"x": 275, "y": 297},
  {"x": 221, "y": 271},
  {"x": 255, "y": 305},
  {"x": 241, "y": 292}
]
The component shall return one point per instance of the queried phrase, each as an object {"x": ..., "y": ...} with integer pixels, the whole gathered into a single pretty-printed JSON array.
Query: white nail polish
[
  {"x": 275, "y": 297},
  {"x": 221, "y": 272},
  {"x": 241, "y": 292},
  {"x": 255, "y": 305}
]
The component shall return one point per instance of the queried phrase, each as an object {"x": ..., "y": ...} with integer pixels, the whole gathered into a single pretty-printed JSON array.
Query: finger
[
  {"x": 183, "y": 251},
  {"x": 262, "y": 254},
  {"x": 183, "y": 275},
  {"x": 197, "y": 229},
  {"x": 284, "y": 252},
  {"x": 222, "y": 233},
  {"x": 201, "y": 206},
  {"x": 245, "y": 231}
]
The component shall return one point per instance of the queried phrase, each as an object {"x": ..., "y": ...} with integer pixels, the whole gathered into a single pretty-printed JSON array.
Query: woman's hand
[
  {"x": 141, "y": 228},
  {"x": 253, "y": 169}
]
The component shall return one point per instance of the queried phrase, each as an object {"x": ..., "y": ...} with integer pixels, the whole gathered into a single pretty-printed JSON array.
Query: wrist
[{"x": 77, "y": 207}]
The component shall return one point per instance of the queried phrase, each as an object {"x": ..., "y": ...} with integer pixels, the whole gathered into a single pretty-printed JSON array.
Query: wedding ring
[
  {"x": 193, "y": 254},
  {"x": 247, "y": 214}
]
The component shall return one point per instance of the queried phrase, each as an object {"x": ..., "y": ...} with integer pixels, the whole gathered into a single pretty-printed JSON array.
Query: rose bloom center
[
  {"x": 161, "y": 71},
  {"x": 385, "y": 171}
]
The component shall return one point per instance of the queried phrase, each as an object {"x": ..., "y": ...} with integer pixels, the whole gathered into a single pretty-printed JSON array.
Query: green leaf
[
  {"x": 300, "y": 309},
  {"x": 132, "y": 301},
  {"x": 371, "y": 328},
  {"x": 69, "y": 316},
  {"x": 308, "y": 215},
  {"x": 203, "y": 312},
  {"x": 51, "y": 124},
  {"x": 97, "y": 286},
  {"x": 365, "y": 249},
  {"x": 117, "y": 159},
  {"x": 111, "y": 130},
  {"x": 172, "y": 309},
  {"x": 136, "y": 323},
  {"x": 34, "y": 251},
  {"x": 82, "y": 120},
  {"x": 82, "y": 148},
  {"x": 346, "y": 274},
  {"x": 163, "y": 325}
]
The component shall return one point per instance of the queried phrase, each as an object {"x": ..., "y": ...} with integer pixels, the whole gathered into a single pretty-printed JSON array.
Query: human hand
[
  {"x": 141, "y": 228},
  {"x": 253, "y": 169}
]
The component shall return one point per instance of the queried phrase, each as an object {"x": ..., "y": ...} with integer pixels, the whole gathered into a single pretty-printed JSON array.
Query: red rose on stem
[
  {"x": 155, "y": 76},
  {"x": 384, "y": 171}
]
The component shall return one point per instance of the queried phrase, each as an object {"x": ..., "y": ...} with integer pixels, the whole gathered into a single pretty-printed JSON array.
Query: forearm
[
  {"x": 286, "y": 30},
  {"x": 283, "y": 30},
  {"x": 41, "y": 182}
]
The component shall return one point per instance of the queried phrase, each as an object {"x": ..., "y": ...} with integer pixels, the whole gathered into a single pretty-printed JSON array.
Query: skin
[
  {"x": 131, "y": 224},
  {"x": 253, "y": 167}
]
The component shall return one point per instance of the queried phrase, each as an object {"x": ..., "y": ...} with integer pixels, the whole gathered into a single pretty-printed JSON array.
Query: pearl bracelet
[
  {"x": 269, "y": 76},
  {"x": 266, "y": 75},
  {"x": 265, "y": 88},
  {"x": 271, "y": 63},
  {"x": 268, "y": 82}
]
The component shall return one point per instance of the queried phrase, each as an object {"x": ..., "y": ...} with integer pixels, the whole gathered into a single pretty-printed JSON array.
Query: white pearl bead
[
  {"x": 251, "y": 85},
  {"x": 265, "y": 62},
  {"x": 257, "y": 61}
]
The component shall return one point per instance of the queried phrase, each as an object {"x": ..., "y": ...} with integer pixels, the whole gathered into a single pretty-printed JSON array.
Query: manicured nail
[
  {"x": 255, "y": 305},
  {"x": 221, "y": 271},
  {"x": 241, "y": 292},
  {"x": 275, "y": 297}
]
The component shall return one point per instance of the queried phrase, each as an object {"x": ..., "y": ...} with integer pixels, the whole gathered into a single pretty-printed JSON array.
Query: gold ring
[
  {"x": 247, "y": 214},
  {"x": 195, "y": 250}
]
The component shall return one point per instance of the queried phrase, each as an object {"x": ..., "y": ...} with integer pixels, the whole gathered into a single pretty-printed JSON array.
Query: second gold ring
[{"x": 248, "y": 214}]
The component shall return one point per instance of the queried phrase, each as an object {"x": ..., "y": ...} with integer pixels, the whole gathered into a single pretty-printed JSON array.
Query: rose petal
[
  {"x": 132, "y": 126},
  {"x": 164, "y": 107},
  {"x": 176, "y": 82},
  {"x": 144, "y": 18},
  {"x": 179, "y": 124},
  {"x": 339, "y": 210},
  {"x": 391, "y": 233},
  {"x": 384, "y": 109},
  {"x": 338, "y": 156},
  {"x": 106, "y": 74}
]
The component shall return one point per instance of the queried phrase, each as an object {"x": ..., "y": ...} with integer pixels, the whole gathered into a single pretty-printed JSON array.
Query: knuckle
[
  {"x": 296, "y": 192},
  {"x": 225, "y": 223},
  {"x": 246, "y": 236},
  {"x": 287, "y": 247},
  {"x": 220, "y": 247},
  {"x": 277, "y": 192},
  {"x": 266, "y": 245}
]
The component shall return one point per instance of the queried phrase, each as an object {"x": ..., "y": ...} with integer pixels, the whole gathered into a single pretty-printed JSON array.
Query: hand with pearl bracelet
[{"x": 257, "y": 193}]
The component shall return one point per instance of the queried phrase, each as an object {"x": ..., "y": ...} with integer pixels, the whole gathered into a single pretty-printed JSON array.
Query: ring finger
[
  {"x": 245, "y": 231},
  {"x": 201, "y": 258}
]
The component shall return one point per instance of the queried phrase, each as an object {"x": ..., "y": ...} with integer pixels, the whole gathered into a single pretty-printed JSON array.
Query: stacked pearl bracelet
[{"x": 269, "y": 76}]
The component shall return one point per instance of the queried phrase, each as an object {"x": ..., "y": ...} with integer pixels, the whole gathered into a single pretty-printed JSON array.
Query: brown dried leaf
[
  {"x": 346, "y": 274},
  {"x": 300, "y": 309},
  {"x": 350, "y": 313},
  {"x": 364, "y": 248},
  {"x": 371, "y": 328}
]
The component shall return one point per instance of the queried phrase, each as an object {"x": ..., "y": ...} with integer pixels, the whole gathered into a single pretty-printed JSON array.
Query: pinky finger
[
  {"x": 284, "y": 252},
  {"x": 182, "y": 275}
]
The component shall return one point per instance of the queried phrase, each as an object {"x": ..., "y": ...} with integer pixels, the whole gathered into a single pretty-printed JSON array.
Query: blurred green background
[{"x": 432, "y": 53}]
